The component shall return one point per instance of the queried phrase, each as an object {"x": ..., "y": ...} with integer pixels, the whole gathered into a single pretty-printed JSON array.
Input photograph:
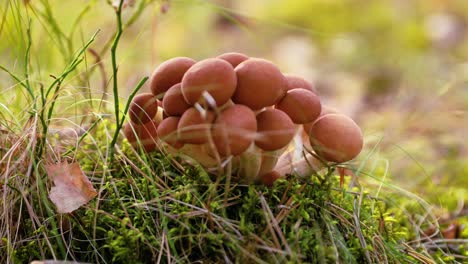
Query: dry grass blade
[{"x": 272, "y": 220}]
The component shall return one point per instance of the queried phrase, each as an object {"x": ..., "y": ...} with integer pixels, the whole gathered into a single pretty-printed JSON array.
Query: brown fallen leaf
[{"x": 72, "y": 188}]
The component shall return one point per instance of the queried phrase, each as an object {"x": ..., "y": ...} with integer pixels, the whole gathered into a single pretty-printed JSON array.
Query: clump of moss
[{"x": 156, "y": 207}]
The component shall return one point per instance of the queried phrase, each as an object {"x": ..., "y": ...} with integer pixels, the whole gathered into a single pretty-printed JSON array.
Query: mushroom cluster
[{"x": 242, "y": 111}]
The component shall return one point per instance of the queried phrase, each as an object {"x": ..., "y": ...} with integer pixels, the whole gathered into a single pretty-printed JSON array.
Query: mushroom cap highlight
[
  {"x": 336, "y": 138},
  {"x": 301, "y": 105},
  {"x": 259, "y": 84},
  {"x": 234, "y": 58},
  {"x": 169, "y": 73},
  {"x": 173, "y": 102},
  {"x": 193, "y": 128},
  {"x": 233, "y": 130},
  {"x": 143, "y": 108},
  {"x": 215, "y": 76},
  {"x": 274, "y": 129}
]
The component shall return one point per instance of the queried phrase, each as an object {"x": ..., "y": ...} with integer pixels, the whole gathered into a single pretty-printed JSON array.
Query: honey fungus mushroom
[
  {"x": 168, "y": 74},
  {"x": 336, "y": 138},
  {"x": 143, "y": 108},
  {"x": 173, "y": 102},
  {"x": 259, "y": 84},
  {"x": 275, "y": 129},
  {"x": 269, "y": 178},
  {"x": 167, "y": 131},
  {"x": 301, "y": 105},
  {"x": 254, "y": 115},
  {"x": 145, "y": 135},
  {"x": 234, "y": 129},
  {"x": 215, "y": 76},
  {"x": 194, "y": 127},
  {"x": 325, "y": 110}
]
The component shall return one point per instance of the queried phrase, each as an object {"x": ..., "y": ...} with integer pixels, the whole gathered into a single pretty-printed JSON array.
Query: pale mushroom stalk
[
  {"x": 250, "y": 163},
  {"x": 302, "y": 167}
]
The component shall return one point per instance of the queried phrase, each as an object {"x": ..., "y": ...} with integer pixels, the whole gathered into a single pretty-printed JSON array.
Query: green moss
[{"x": 150, "y": 209}]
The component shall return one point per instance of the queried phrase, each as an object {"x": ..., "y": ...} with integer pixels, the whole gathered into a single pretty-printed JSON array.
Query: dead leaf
[{"x": 72, "y": 188}]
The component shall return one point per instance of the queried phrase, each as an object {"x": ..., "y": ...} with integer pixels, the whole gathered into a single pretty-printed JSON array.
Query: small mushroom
[
  {"x": 169, "y": 73},
  {"x": 142, "y": 135},
  {"x": 259, "y": 84},
  {"x": 269, "y": 178},
  {"x": 173, "y": 102},
  {"x": 234, "y": 58},
  {"x": 193, "y": 127},
  {"x": 234, "y": 129},
  {"x": 167, "y": 131},
  {"x": 325, "y": 111},
  {"x": 301, "y": 105},
  {"x": 336, "y": 138},
  {"x": 143, "y": 108},
  {"x": 275, "y": 129},
  {"x": 295, "y": 81},
  {"x": 215, "y": 76}
]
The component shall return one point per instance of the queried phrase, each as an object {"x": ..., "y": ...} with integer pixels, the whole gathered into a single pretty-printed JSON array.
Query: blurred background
[{"x": 399, "y": 68}]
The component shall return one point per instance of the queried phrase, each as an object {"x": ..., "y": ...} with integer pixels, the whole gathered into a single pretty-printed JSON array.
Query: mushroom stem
[
  {"x": 269, "y": 160},
  {"x": 249, "y": 163},
  {"x": 197, "y": 153},
  {"x": 302, "y": 167},
  {"x": 159, "y": 115}
]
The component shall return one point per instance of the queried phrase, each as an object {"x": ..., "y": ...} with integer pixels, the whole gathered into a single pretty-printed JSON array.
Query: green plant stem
[
  {"x": 110, "y": 41},
  {"x": 45, "y": 120},
  {"x": 121, "y": 123},
  {"x": 115, "y": 43},
  {"x": 26, "y": 62},
  {"x": 118, "y": 119},
  {"x": 22, "y": 83}
]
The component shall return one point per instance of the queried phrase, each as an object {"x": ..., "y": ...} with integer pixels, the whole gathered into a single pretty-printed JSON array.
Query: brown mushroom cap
[
  {"x": 233, "y": 58},
  {"x": 145, "y": 134},
  {"x": 259, "y": 84},
  {"x": 167, "y": 131},
  {"x": 173, "y": 102},
  {"x": 169, "y": 73},
  {"x": 295, "y": 81},
  {"x": 301, "y": 105},
  {"x": 193, "y": 128},
  {"x": 325, "y": 111},
  {"x": 336, "y": 138},
  {"x": 233, "y": 130},
  {"x": 143, "y": 108},
  {"x": 275, "y": 129},
  {"x": 215, "y": 76},
  {"x": 269, "y": 178}
]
